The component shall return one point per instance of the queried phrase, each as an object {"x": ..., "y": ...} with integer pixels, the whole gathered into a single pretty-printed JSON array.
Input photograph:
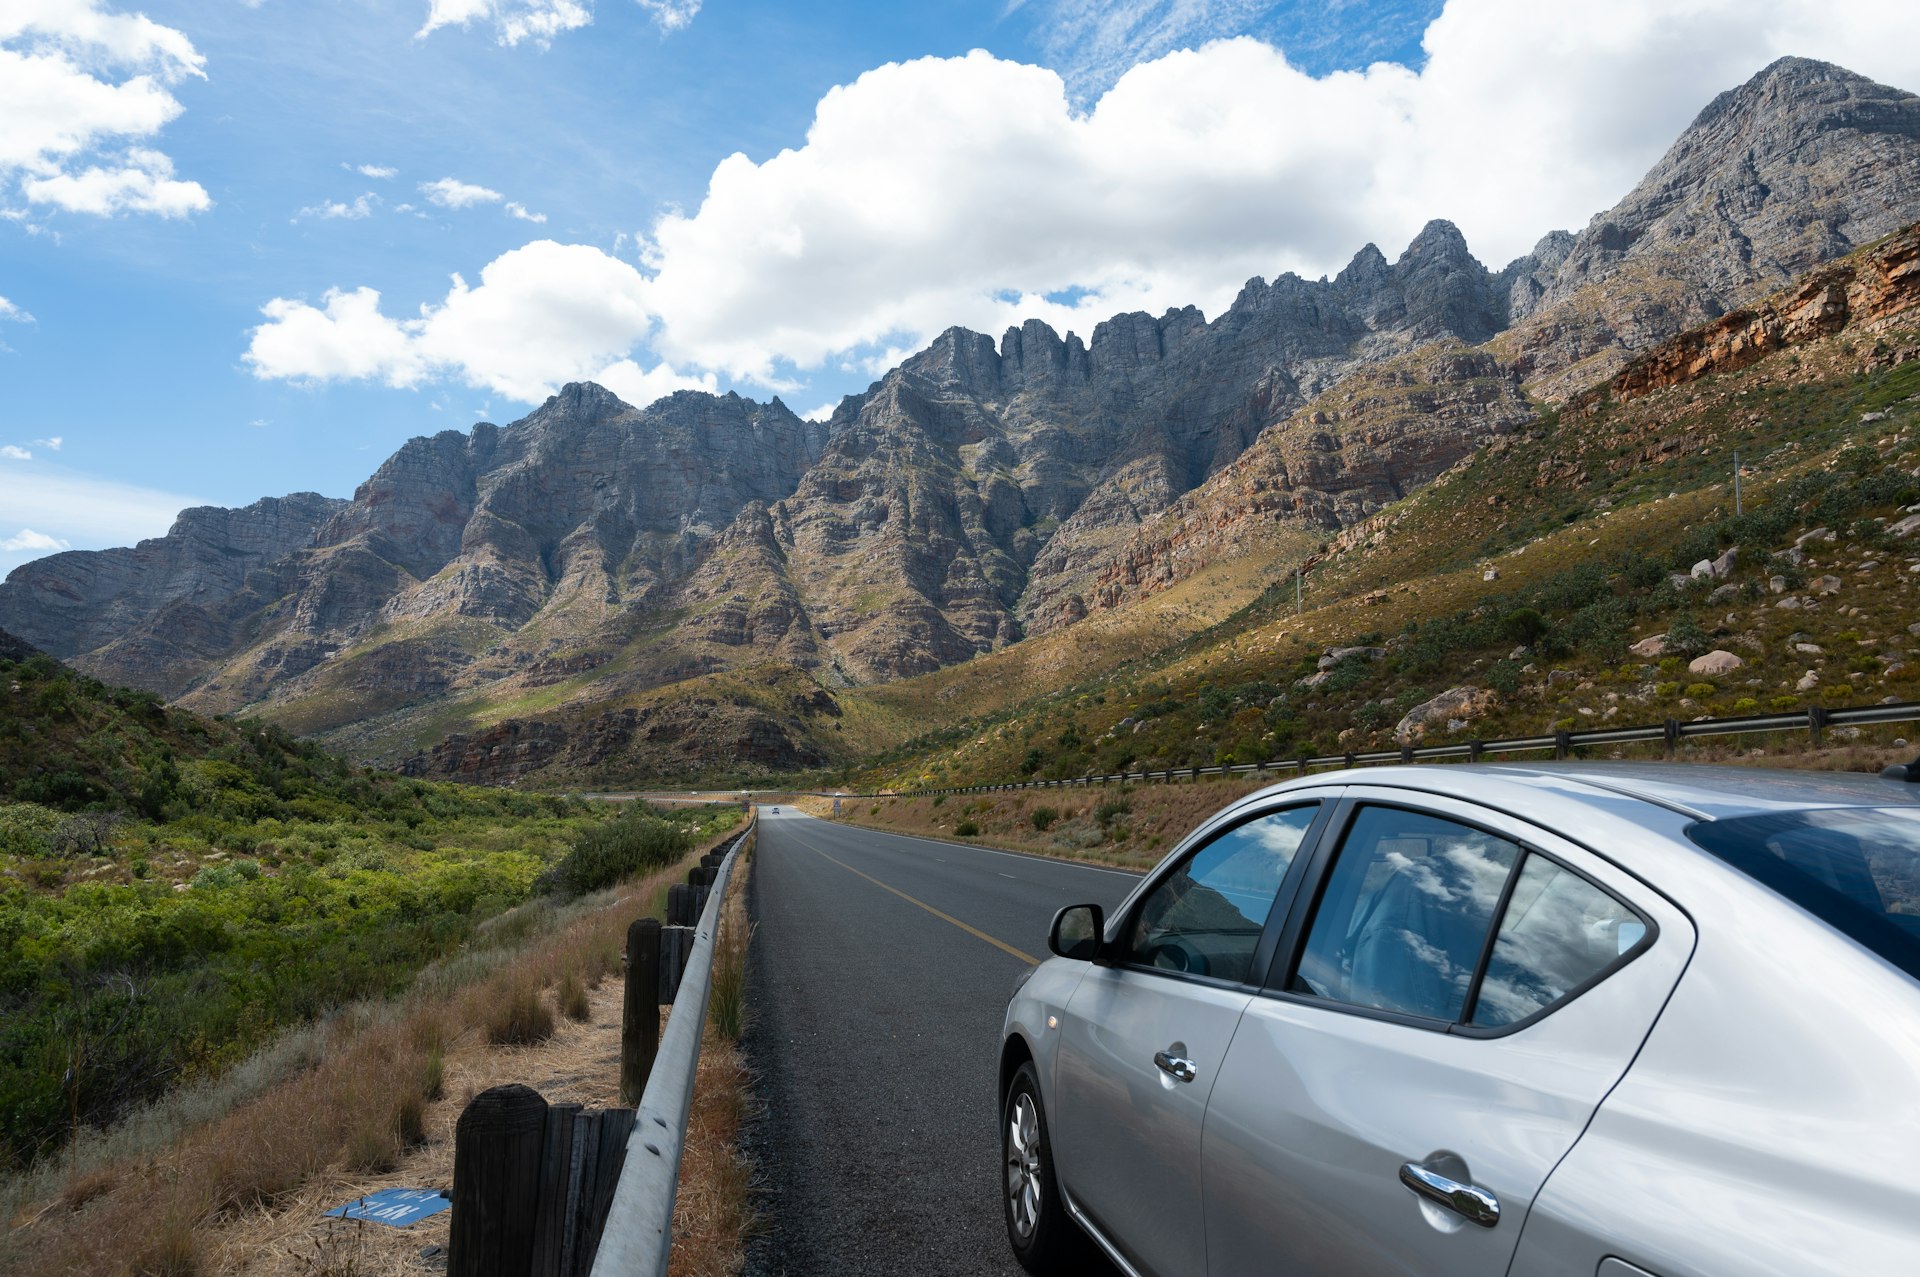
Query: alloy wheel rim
[{"x": 1023, "y": 1166}]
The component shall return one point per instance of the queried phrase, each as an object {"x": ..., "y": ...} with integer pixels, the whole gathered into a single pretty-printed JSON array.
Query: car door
[
  {"x": 1144, "y": 1033},
  {"x": 1453, "y": 995}
]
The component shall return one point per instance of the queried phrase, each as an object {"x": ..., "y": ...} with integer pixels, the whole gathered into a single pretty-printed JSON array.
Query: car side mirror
[{"x": 1077, "y": 932}]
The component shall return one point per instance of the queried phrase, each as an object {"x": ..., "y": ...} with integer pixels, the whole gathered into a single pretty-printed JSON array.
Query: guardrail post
[
  {"x": 497, "y": 1153},
  {"x": 1476, "y": 750},
  {"x": 676, "y": 944},
  {"x": 1670, "y": 734},
  {"x": 1562, "y": 744},
  {"x": 1817, "y": 724},
  {"x": 1406, "y": 753},
  {"x": 640, "y": 1009}
]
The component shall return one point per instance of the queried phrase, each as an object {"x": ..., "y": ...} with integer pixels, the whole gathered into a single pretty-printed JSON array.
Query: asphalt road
[{"x": 878, "y": 978}]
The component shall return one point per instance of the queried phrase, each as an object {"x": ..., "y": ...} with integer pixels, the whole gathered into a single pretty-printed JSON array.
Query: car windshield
[{"x": 1857, "y": 869}]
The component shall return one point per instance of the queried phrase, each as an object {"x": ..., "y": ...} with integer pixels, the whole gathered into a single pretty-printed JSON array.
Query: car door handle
[
  {"x": 1469, "y": 1201},
  {"x": 1180, "y": 1069}
]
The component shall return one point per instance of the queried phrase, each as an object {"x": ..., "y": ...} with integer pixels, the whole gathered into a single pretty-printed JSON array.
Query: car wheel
[{"x": 1044, "y": 1238}]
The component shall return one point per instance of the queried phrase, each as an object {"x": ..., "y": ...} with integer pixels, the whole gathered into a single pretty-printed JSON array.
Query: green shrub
[
  {"x": 1745, "y": 705},
  {"x": 966, "y": 829},
  {"x": 1701, "y": 691},
  {"x": 634, "y": 841},
  {"x": 1105, "y": 813},
  {"x": 1043, "y": 818}
]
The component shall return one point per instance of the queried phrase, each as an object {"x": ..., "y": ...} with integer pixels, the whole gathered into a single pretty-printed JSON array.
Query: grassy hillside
[
  {"x": 174, "y": 890},
  {"x": 1525, "y": 574}
]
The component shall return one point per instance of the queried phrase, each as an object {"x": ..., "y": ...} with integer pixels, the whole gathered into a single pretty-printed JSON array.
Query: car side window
[
  {"x": 1405, "y": 914},
  {"x": 1558, "y": 932},
  {"x": 1206, "y": 917}
]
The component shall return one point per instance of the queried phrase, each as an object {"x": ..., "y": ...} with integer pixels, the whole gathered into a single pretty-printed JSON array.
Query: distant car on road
[{"x": 1547, "y": 1021}]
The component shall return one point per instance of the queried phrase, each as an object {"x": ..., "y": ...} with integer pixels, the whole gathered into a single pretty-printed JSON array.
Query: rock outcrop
[{"x": 1866, "y": 291}]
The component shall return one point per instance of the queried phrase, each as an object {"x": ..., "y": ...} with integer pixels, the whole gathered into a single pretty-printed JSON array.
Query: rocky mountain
[
  {"x": 1802, "y": 164},
  {"x": 565, "y": 590}
]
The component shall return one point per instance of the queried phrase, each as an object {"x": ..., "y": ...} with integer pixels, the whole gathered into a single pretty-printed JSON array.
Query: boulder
[
  {"x": 1778, "y": 584},
  {"x": 1462, "y": 703},
  {"x": 1826, "y": 585},
  {"x": 1715, "y": 662},
  {"x": 1651, "y": 647},
  {"x": 1703, "y": 570},
  {"x": 1808, "y": 682},
  {"x": 1339, "y": 654},
  {"x": 1724, "y": 565},
  {"x": 1906, "y": 527}
]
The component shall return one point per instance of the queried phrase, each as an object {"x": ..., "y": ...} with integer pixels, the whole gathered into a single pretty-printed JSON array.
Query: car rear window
[{"x": 1857, "y": 869}]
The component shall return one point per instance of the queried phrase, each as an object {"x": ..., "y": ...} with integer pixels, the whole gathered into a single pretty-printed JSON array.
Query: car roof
[{"x": 1702, "y": 791}]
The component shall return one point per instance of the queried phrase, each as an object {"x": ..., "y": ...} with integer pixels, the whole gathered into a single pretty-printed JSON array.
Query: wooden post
[
  {"x": 640, "y": 1010},
  {"x": 550, "y": 1220},
  {"x": 497, "y": 1148},
  {"x": 679, "y": 898},
  {"x": 676, "y": 945},
  {"x": 1670, "y": 735},
  {"x": 1563, "y": 744}
]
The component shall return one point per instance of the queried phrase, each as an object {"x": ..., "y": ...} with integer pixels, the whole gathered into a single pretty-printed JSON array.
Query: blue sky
[{"x": 229, "y": 231}]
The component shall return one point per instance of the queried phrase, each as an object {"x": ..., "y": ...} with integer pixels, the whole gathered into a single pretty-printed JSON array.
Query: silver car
[{"x": 1542, "y": 1021}]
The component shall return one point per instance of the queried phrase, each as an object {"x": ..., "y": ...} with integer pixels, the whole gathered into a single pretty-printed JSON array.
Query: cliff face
[
  {"x": 549, "y": 593},
  {"x": 1377, "y": 436}
]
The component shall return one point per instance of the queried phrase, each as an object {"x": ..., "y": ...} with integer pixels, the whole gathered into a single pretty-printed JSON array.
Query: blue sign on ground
[{"x": 396, "y": 1206}]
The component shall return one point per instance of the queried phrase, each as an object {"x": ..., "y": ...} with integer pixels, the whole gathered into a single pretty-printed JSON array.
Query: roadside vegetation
[
  {"x": 233, "y": 1173},
  {"x": 177, "y": 892}
]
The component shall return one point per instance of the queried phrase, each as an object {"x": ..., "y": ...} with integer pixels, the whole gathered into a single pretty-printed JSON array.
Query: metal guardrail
[
  {"x": 1815, "y": 721},
  {"x": 638, "y": 1237}
]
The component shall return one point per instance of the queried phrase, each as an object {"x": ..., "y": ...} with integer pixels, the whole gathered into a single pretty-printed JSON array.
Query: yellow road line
[{"x": 975, "y": 932}]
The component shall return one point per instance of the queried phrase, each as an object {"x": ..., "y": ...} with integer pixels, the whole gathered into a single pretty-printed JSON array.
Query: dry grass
[
  {"x": 521, "y": 1018},
  {"x": 371, "y": 1104},
  {"x": 572, "y": 996},
  {"x": 713, "y": 1211}
]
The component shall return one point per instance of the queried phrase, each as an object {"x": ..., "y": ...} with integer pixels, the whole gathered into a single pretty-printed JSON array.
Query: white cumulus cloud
[
  {"x": 379, "y": 172},
  {"x": 450, "y": 192},
  {"x": 541, "y": 315},
  {"x": 519, "y": 211},
  {"x": 512, "y": 20},
  {"x": 28, "y": 539},
  {"x": 83, "y": 90},
  {"x": 51, "y": 444},
  {"x": 13, "y": 313},
  {"x": 14, "y": 452}
]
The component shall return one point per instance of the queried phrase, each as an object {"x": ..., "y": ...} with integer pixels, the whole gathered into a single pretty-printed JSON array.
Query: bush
[
  {"x": 966, "y": 829},
  {"x": 1106, "y": 812},
  {"x": 520, "y": 1018},
  {"x": 1043, "y": 818},
  {"x": 1700, "y": 691},
  {"x": 633, "y": 842}
]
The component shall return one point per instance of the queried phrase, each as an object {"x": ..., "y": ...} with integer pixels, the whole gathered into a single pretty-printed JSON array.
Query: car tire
[{"x": 1044, "y": 1237}]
